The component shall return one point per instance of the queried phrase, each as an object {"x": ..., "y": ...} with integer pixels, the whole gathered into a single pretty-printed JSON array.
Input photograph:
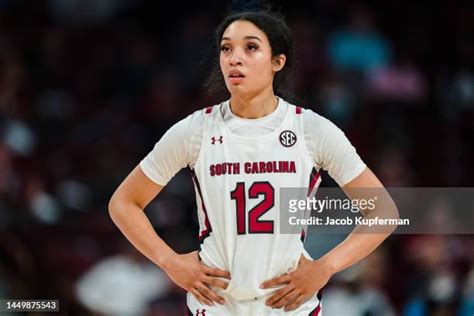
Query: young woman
[{"x": 241, "y": 152}]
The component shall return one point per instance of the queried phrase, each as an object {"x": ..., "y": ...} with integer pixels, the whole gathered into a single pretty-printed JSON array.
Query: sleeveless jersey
[{"x": 237, "y": 181}]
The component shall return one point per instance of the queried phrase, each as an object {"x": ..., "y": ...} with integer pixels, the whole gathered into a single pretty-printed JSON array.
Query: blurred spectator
[
  {"x": 360, "y": 46},
  {"x": 43, "y": 205},
  {"x": 124, "y": 284},
  {"x": 336, "y": 100},
  {"x": 358, "y": 290},
  {"x": 19, "y": 138},
  {"x": 436, "y": 290},
  {"x": 401, "y": 81}
]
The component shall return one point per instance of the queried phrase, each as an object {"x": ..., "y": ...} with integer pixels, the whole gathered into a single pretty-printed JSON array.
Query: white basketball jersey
[{"x": 237, "y": 181}]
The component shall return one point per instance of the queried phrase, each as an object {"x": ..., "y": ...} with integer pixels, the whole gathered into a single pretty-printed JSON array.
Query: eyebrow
[{"x": 245, "y": 37}]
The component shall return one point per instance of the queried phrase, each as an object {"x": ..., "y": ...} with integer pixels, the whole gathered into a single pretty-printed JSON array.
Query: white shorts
[{"x": 256, "y": 307}]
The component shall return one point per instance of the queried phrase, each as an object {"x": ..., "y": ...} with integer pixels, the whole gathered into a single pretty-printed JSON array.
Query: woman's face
[{"x": 246, "y": 59}]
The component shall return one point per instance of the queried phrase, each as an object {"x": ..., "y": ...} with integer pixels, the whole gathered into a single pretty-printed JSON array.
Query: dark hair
[{"x": 281, "y": 42}]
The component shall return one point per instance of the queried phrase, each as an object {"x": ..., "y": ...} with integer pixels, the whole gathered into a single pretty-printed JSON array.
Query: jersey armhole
[
  {"x": 207, "y": 115},
  {"x": 300, "y": 118}
]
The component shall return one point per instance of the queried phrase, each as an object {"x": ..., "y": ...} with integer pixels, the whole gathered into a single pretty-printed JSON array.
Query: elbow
[
  {"x": 113, "y": 207},
  {"x": 117, "y": 207}
]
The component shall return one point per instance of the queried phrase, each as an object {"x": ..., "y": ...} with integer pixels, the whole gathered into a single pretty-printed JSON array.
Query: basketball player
[{"x": 241, "y": 152}]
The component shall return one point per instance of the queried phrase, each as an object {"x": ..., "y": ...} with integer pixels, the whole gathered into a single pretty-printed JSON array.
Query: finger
[
  {"x": 200, "y": 297},
  {"x": 296, "y": 303},
  {"x": 276, "y": 281},
  {"x": 215, "y": 272},
  {"x": 210, "y": 295},
  {"x": 278, "y": 295},
  {"x": 286, "y": 300},
  {"x": 216, "y": 282}
]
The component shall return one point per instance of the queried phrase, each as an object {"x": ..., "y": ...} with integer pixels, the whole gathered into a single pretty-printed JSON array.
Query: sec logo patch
[{"x": 287, "y": 138}]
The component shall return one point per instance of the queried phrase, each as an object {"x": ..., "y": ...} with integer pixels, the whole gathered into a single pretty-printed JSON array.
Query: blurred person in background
[
  {"x": 123, "y": 284},
  {"x": 437, "y": 289},
  {"x": 359, "y": 47},
  {"x": 359, "y": 290}
]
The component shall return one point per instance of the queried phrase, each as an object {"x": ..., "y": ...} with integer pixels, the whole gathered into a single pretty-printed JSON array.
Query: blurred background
[{"x": 88, "y": 86}]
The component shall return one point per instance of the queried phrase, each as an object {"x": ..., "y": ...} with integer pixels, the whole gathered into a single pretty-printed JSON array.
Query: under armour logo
[
  {"x": 201, "y": 312},
  {"x": 219, "y": 139}
]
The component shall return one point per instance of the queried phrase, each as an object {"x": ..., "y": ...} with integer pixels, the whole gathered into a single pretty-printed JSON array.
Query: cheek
[{"x": 262, "y": 68}]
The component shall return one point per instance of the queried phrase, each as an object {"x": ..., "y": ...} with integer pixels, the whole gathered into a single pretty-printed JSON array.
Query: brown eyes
[
  {"x": 250, "y": 47},
  {"x": 225, "y": 48}
]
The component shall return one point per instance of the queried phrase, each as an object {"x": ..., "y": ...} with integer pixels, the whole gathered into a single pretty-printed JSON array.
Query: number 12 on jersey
[{"x": 255, "y": 225}]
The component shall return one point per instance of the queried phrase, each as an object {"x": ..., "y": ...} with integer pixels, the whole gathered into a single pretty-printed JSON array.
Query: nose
[{"x": 236, "y": 57}]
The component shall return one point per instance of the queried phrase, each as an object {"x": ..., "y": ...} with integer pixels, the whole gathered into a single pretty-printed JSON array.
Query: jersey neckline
[
  {"x": 228, "y": 111},
  {"x": 252, "y": 137}
]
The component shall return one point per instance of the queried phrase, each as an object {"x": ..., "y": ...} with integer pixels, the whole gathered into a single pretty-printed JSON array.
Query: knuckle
[{"x": 212, "y": 295}]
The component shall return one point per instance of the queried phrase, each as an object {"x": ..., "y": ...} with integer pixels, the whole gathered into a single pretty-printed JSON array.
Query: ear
[{"x": 278, "y": 62}]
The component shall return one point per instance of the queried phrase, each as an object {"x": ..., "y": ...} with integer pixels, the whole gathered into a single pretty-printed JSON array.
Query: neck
[{"x": 253, "y": 107}]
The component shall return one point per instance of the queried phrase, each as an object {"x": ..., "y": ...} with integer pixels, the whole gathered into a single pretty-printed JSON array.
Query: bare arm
[
  {"x": 359, "y": 244},
  {"x": 354, "y": 248},
  {"x": 126, "y": 208}
]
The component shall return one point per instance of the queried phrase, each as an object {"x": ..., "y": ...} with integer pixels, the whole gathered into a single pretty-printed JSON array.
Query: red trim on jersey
[
  {"x": 315, "y": 312},
  {"x": 298, "y": 110},
  {"x": 303, "y": 235},
  {"x": 208, "y": 109},
  {"x": 203, "y": 234},
  {"x": 313, "y": 179}
]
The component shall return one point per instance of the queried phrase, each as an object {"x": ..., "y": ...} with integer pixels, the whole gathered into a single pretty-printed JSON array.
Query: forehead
[{"x": 240, "y": 29}]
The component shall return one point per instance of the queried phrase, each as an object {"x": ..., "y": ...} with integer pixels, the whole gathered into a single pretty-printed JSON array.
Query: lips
[
  {"x": 236, "y": 77},
  {"x": 236, "y": 74}
]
